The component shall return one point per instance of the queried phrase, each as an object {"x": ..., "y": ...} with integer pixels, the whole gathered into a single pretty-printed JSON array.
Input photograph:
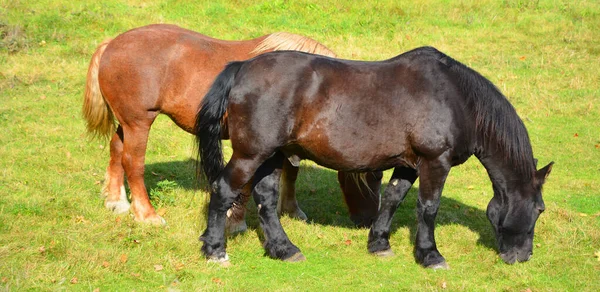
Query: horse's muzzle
[{"x": 513, "y": 256}]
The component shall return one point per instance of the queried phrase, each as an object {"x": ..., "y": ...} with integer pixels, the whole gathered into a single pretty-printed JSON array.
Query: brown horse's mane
[{"x": 281, "y": 41}]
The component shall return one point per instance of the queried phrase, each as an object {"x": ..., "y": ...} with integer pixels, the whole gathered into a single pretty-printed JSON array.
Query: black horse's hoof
[
  {"x": 222, "y": 259},
  {"x": 384, "y": 253},
  {"x": 297, "y": 257},
  {"x": 431, "y": 259},
  {"x": 439, "y": 266}
]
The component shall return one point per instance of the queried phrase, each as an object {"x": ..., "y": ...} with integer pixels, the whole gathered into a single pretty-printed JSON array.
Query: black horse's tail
[{"x": 208, "y": 124}]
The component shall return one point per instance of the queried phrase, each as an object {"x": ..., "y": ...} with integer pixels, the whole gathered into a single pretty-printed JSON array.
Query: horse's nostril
[
  {"x": 509, "y": 257},
  {"x": 526, "y": 257}
]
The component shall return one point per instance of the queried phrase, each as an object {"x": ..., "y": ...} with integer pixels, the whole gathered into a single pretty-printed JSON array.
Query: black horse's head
[{"x": 514, "y": 215}]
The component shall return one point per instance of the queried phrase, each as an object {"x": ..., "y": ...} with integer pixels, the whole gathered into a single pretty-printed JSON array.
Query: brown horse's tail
[{"x": 97, "y": 113}]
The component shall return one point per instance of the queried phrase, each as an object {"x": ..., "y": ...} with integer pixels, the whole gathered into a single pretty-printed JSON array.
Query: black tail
[{"x": 208, "y": 124}]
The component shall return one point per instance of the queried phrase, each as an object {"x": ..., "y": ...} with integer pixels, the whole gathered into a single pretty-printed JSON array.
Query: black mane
[{"x": 496, "y": 119}]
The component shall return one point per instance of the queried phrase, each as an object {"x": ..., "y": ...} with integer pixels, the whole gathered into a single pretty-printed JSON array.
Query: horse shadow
[
  {"x": 323, "y": 203},
  {"x": 182, "y": 174},
  {"x": 320, "y": 197}
]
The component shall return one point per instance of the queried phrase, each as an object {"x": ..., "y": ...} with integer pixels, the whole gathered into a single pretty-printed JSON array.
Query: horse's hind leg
[
  {"x": 134, "y": 152},
  {"x": 287, "y": 201},
  {"x": 114, "y": 188},
  {"x": 379, "y": 235},
  {"x": 265, "y": 191},
  {"x": 224, "y": 192}
]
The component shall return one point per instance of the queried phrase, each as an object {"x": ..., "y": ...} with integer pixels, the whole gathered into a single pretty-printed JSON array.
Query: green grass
[{"x": 56, "y": 235}]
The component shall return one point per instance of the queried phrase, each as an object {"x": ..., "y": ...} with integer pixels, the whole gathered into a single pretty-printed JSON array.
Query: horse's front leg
[
  {"x": 265, "y": 193},
  {"x": 379, "y": 235},
  {"x": 433, "y": 175}
]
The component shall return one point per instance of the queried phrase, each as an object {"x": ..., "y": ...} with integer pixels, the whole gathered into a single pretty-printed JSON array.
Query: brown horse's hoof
[
  {"x": 439, "y": 266},
  {"x": 298, "y": 214},
  {"x": 153, "y": 220},
  {"x": 117, "y": 207},
  {"x": 297, "y": 257},
  {"x": 384, "y": 253}
]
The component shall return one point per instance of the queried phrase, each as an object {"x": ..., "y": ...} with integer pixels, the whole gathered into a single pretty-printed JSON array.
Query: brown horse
[{"x": 167, "y": 69}]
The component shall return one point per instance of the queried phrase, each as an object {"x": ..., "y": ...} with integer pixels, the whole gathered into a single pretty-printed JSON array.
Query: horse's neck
[{"x": 503, "y": 174}]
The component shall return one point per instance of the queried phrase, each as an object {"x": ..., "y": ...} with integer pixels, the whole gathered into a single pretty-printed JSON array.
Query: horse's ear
[{"x": 542, "y": 174}]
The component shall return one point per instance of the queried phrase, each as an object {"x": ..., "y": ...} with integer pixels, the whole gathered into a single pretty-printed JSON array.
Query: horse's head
[{"x": 514, "y": 215}]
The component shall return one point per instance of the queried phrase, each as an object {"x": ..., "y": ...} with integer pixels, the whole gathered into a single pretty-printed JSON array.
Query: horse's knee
[
  {"x": 220, "y": 203},
  {"x": 266, "y": 190},
  {"x": 221, "y": 197},
  {"x": 428, "y": 206}
]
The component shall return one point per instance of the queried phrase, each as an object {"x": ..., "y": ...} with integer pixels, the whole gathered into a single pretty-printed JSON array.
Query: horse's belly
[{"x": 365, "y": 152}]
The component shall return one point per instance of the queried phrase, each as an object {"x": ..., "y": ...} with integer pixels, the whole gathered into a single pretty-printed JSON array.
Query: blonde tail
[
  {"x": 97, "y": 113},
  {"x": 359, "y": 178}
]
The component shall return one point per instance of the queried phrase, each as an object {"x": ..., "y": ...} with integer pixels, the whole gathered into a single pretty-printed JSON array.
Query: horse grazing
[
  {"x": 420, "y": 113},
  {"x": 167, "y": 69}
]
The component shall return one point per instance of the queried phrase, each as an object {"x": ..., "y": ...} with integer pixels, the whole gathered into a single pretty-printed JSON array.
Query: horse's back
[
  {"x": 165, "y": 48},
  {"x": 156, "y": 37},
  {"x": 163, "y": 68}
]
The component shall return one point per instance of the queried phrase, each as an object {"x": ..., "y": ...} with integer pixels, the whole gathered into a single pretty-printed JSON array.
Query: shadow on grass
[
  {"x": 320, "y": 197},
  {"x": 181, "y": 172}
]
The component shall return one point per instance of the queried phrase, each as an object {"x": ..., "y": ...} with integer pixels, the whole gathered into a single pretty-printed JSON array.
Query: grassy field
[{"x": 56, "y": 235}]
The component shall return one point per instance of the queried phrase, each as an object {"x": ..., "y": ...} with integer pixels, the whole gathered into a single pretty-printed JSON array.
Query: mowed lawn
[{"x": 56, "y": 235}]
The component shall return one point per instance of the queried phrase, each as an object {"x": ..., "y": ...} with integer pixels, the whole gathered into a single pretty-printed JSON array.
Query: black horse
[{"x": 420, "y": 113}]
